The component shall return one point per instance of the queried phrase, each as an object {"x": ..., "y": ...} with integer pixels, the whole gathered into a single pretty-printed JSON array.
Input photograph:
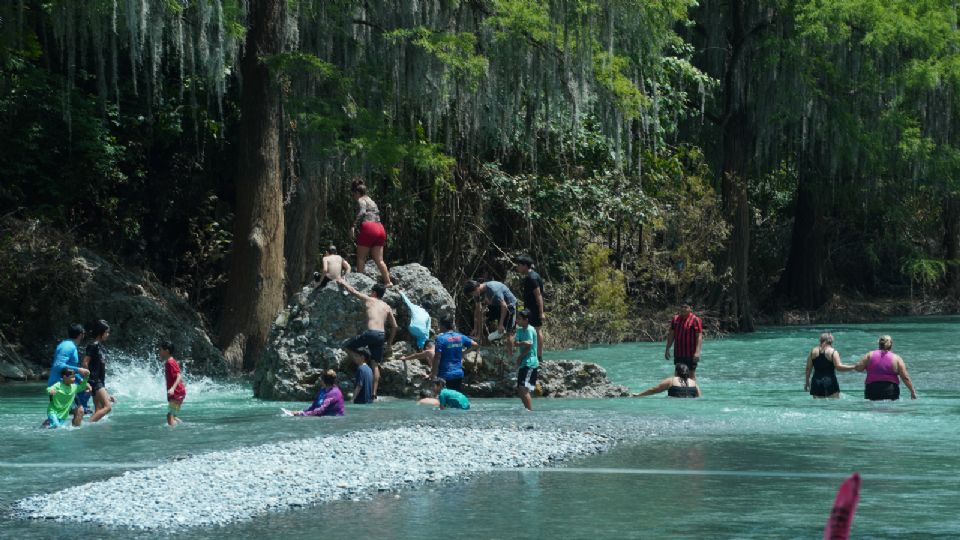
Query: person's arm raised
[{"x": 351, "y": 290}]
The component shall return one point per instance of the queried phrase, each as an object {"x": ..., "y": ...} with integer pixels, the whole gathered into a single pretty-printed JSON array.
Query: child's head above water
[
  {"x": 438, "y": 384},
  {"x": 329, "y": 378},
  {"x": 66, "y": 373},
  {"x": 167, "y": 349}
]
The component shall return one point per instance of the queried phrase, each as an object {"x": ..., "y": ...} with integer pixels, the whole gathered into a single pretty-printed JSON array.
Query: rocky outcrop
[
  {"x": 12, "y": 365},
  {"x": 140, "y": 312},
  {"x": 306, "y": 337}
]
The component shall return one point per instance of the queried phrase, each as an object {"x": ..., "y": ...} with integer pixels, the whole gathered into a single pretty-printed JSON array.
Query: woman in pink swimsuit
[{"x": 884, "y": 370}]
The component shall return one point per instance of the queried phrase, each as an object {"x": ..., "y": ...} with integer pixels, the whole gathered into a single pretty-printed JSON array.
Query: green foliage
[
  {"x": 606, "y": 292},
  {"x": 455, "y": 50}
]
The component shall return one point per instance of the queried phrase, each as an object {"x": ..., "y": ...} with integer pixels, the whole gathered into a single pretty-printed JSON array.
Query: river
[{"x": 755, "y": 458}]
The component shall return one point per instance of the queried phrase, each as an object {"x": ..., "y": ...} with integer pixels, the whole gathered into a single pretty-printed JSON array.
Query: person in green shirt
[
  {"x": 447, "y": 398},
  {"x": 526, "y": 340},
  {"x": 62, "y": 394}
]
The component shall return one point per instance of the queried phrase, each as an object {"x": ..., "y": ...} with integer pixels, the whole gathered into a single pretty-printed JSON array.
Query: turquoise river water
[{"x": 755, "y": 458}]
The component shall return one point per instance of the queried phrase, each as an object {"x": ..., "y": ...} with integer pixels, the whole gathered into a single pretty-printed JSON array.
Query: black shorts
[
  {"x": 95, "y": 385},
  {"x": 882, "y": 390},
  {"x": 509, "y": 323},
  {"x": 527, "y": 378},
  {"x": 455, "y": 384},
  {"x": 323, "y": 282},
  {"x": 373, "y": 340},
  {"x": 535, "y": 320},
  {"x": 689, "y": 362}
]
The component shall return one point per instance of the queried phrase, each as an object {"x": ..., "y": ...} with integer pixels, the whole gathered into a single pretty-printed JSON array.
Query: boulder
[
  {"x": 306, "y": 337},
  {"x": 140, "y": 312}
]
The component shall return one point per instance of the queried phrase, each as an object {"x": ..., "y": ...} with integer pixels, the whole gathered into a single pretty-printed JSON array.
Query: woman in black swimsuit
[
  {"x": 679, "y": 386},
  {"x": 824, "y": 361}
]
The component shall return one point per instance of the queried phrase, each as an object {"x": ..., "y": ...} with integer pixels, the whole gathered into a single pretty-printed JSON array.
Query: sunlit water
[{"x": 755, "y": 458}]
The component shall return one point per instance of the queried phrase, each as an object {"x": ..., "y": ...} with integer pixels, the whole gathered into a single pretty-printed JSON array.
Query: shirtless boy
[
  {"x": 334, "y": 266},
  {"x": 379, "y": 315}
]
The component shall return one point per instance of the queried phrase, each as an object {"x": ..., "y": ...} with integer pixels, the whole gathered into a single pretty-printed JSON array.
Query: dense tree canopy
[{"x": 755, "y": 155}]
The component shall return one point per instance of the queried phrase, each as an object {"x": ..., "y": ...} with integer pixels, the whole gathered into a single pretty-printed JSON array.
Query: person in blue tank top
[{"x": 448, "y": 355}]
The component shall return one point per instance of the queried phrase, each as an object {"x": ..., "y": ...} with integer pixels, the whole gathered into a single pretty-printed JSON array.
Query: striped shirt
[{"x": 685, "y": 334}]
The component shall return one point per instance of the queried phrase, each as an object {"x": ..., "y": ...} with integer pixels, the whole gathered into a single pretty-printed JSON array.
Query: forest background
[{"x": 757, "y": 156}]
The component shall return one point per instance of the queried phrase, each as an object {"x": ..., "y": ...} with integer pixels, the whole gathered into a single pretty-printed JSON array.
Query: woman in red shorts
[{"x": 368, "y": 231}]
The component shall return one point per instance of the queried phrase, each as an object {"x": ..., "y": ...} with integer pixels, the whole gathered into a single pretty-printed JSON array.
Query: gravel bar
[{"x": 228, "y": 486}]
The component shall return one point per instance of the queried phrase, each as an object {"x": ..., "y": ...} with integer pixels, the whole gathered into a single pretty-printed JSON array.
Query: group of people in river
[
  {"x": 885, "y": 369},
  {"x": 73, "y": 382}
]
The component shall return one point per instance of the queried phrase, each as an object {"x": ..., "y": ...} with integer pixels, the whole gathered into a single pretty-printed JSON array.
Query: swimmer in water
[{"x": 681, "y": 385}]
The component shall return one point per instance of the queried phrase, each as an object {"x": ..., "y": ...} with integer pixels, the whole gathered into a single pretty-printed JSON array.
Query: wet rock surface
[
  {"x": 241, "y": 484},
  {"x": 307, "y": 335}
]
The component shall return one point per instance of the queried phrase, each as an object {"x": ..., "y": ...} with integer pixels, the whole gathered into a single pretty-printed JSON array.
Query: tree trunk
[
  {"x": 951, "y": 243},
  {"x": 254, "y": 291},
  {"x": 301, "y": 244},
  {"x": 736, "y": 204},
  {"x": 802, "y": 281}
]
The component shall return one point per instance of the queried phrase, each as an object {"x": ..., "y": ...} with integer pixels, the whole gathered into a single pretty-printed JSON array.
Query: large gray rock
[
  {"x": 140, "y": 312},
  {"x": 306, "y": 337}
]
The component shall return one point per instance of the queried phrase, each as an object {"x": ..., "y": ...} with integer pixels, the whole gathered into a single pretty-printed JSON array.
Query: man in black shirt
[{"x": 532, "y": 297}]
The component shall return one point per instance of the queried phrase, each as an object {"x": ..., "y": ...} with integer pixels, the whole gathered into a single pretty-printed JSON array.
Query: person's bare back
[
  {"x": 334, "y": 266},
  {"x": 378, "y": 312}
]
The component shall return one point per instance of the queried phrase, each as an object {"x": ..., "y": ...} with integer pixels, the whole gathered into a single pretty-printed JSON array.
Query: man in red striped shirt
[{"x": 686, "y": 337}]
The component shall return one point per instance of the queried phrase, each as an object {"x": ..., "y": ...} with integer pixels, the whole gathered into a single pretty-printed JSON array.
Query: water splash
[{"x": 137, "y": 380}]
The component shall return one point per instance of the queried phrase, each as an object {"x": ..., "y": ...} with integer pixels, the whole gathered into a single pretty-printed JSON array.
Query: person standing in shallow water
[
  {"x": 824, "y": 361},
  {"x": 527, "y": 363},
  {"x": 368, "y": 231},
  {"x": 884, "y": 370},
  {"x": 95, "y": 360},
  {"x": 686, "y": 337}
]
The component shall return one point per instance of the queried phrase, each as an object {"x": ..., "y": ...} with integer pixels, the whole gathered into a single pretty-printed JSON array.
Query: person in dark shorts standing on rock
[
  {"x": 448, "y": 358},
  {"x": 95, "y": 360},
  {"x": 379, "y": 315},
  {"x": 686, "y": 337},
  {"x": 532, "y": 297}
]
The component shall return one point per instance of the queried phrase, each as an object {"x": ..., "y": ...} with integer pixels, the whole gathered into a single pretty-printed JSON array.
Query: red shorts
[{"x": 371, "y": 234}]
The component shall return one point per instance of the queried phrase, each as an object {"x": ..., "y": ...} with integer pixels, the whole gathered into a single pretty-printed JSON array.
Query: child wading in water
[
  {"x": 176, "y": 391},
  {"x": 62, "y": 396},
  {"x": 526, "y": 339}
]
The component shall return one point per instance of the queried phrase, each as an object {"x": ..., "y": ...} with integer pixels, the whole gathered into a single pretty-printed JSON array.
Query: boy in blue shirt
[
  {"x": 448, "y": 355},
  {"x": 363, "y": 384},
  {"x": 526, "y": 341},
  {"x": 67, "y": 355}
]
